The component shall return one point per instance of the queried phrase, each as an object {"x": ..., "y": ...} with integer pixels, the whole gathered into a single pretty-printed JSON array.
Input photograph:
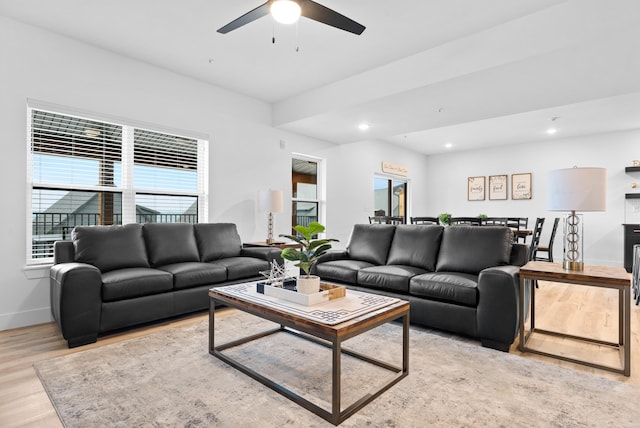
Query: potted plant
[
  {"x": 307, "y": 256},
  {"x": 444, "y": 219}
]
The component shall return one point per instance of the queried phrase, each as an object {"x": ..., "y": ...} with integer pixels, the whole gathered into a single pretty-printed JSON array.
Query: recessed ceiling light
[
  {"x": 448, "y": 145},
  {"x": 363, "y": 126},
  {"x": 211, "y": 60},
  {"x": 551, "y": 131}
]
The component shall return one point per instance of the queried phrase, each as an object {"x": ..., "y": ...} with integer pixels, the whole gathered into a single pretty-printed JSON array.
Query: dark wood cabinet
[{"x": 631, "y": 237}]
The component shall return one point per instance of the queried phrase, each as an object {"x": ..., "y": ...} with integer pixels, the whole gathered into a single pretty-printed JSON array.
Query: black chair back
[
  {"x": 471, "y": 221},
  {"x": 385, "y": 219},
  {"x": 494, "y": 221},
  {"x": 535, "y": 238},
  {"x": 424, "y": 220},
  {"x": 548, "y": 249}
]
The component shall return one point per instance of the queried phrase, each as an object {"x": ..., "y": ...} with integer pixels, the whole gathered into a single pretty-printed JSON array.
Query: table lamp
[
  {"x": 576, "y": 189},
  {"x": 270, "y": 201}
]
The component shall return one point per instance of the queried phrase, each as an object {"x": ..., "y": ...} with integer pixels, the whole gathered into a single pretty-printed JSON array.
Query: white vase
[{"x": 308, "y": 284}]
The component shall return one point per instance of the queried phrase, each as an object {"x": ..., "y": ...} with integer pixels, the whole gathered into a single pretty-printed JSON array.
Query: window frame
[
  {"x": 126, "y": 189},
  {"x": 320, "y": 186},
  {"x": 407, "y": 190}
]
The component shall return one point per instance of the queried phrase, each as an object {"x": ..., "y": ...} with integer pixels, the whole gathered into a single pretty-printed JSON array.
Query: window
[
  {"x": 90, "y": 172},
  {"x": 306, "y": 191},
  {"x": 390, "y": 197}
]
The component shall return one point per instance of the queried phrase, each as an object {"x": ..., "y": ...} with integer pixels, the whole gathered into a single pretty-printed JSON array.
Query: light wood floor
[{"x": 579, "y": 310}]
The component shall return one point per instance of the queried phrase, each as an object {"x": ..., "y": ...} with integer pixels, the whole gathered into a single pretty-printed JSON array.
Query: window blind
[
  {"x": 88, "y": 172},
  {"x": 70, "y": 150}
]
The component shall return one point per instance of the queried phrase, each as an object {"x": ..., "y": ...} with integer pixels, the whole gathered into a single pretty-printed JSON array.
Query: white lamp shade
[
  {"x": 577, "y": 189},
  {"x": 285, "y": 11},
  {"x": 270, "y": 201}
]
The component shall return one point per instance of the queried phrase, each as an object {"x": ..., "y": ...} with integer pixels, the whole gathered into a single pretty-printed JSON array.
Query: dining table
[{"x": 522, "y": 233}]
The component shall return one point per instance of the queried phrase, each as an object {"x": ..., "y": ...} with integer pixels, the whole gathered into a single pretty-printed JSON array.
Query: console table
[{"x": 593, "y": 276}]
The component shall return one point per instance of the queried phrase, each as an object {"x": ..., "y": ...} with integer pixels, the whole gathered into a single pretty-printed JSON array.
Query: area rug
[{"x": 168, "y": 379}]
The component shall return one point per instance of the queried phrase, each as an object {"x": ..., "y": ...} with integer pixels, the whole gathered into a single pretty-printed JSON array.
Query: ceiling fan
[{"x": 288, "y": 12}]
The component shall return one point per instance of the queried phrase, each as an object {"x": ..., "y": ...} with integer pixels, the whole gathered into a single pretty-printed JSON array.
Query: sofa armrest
[
  {"x": 332, "y": 255},
  {"x": 265, "y": 253},
  {"x": 519, "y": 255},
  {"x": 63, "y": 252},
  {"x": 76, "y": 301},
  {"x": 498, "y": 300}
]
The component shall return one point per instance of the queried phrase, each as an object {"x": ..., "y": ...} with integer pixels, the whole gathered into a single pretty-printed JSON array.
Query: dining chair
[
  {"x": 385, "y": 219},
  {"x": 535, "y": 238},
  {"x": 469, "y": 221},
  {"x": 635, "y": 273},
  {"x": 494, "y": 221},
  {"x": 518, "y": 223},
  {"x": 548, "y": 249},
  {"x": 424, "y": 220}
]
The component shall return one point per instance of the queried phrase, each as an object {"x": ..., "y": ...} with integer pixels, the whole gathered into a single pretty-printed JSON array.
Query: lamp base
[
  {"x": 569, "y": 265},
  {"x": 572, "y": 242},
  {"x": 269, "y": 239}
]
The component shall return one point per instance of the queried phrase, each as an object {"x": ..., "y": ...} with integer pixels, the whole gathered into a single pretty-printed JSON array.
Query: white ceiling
[{"x": 425, "y": 72}]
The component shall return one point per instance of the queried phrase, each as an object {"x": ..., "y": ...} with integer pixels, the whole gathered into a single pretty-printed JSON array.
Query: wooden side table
[{"x": 594, "y": 276}]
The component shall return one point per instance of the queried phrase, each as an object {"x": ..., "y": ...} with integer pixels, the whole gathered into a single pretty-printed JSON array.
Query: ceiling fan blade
[
  {"x": 248, "y": 17},
  {"x": 320, "y": 13}
]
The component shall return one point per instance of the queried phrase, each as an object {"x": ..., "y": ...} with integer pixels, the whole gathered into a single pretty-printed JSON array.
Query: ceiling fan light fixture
[{"x": 285, "y": 11}]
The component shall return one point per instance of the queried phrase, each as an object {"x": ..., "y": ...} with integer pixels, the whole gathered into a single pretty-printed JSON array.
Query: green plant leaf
[
  {"x": 291, "y": 254},
  {"x": 315, "y": 228},
  {"x": 321, "y": 250}
]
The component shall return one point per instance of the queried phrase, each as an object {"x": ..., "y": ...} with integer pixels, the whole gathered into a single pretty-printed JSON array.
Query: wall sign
[
  {"x": 475, "y": 188},
  {"x": 394, "y": 168},
  {"x": 521, "y": 186},
  {"x": 497, "y": 187}
]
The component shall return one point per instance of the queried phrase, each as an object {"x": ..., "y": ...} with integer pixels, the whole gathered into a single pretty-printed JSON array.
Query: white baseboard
[{"x": 25, "y": 318}]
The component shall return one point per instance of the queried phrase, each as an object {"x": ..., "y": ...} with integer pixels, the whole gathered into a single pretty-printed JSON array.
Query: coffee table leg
[
  {"x": 212, "y": 308},
  {"x": 405, "y": 344},
  {"x": 336, "y": 387}
]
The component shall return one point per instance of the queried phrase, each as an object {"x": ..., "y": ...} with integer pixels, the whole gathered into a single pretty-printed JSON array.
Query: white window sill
[{"x": 37, "y": 271}]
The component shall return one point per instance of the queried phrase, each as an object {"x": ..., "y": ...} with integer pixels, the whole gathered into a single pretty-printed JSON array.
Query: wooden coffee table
[{"x": 329, "y": 335}]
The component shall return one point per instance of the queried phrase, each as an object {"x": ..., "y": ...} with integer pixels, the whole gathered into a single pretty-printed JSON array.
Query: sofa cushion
[
  {"x": 110, "y": 247},
  {"x": 371, "y": 242},
  {"x": 454, "y": 287},
  {"x": 470, "y": 249},
  {"x": 415, "y": 245},
  {"x": 127, "y": 283},
  {"x": 340, "y": 270},
  {"x": 389, "y": 277},
  {"x": 170, "y": 243},
  {"x": 217, "y": 241},
  {"x": 192, "y": 274},
  {"x": 242, "y": 267}
]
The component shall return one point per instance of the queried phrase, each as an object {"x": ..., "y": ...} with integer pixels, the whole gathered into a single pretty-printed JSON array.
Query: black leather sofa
[
  {"x": 463, "y": 279},
  {"x": 110, "y": 277}
]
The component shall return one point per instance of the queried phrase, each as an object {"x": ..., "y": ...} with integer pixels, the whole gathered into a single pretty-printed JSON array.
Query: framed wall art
[
  {"x": 521, "y": 186},
  {"x": 497, "y": 187},
  {"x": 475, "y": 188}
]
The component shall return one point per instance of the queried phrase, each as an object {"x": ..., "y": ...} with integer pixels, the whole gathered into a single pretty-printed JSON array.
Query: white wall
[
  {"x": 245, "y": 153},
  {"x": 603, "y": 231},
  {"x": 246, "y": 156}
]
